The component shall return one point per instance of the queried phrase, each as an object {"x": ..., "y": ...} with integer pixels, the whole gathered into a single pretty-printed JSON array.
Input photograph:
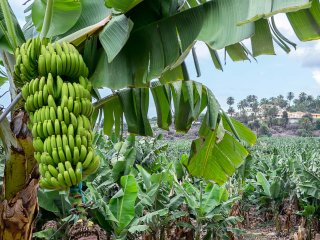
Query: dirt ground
[{"x": 266, "y": 231}]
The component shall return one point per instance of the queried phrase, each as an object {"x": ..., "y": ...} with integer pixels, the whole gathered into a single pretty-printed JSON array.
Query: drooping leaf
[
  {"x": 215, "y": 161},
  {"x": 112, "y": 116},
  {"x": 115, "y": 34},
  {"x": 261, "y": 41},
  {"x": 65, "y": 14},
  {"x": 135, "y": 104},
  {"x": 162, "y": 100},
  {"x": 306, "y": 23},
  {"x": 237, "y": 52},
  {"x": 215, "y": 59}
]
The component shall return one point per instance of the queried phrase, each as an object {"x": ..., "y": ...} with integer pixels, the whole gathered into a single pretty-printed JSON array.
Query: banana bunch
[
  {"x": 26, "y": 60},
  {"x": 60, "y": 113},
  {"x": 34, "y": 59}
]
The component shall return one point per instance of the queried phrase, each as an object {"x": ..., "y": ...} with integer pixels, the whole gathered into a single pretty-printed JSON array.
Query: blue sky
[{"x": 270, "y": 76}]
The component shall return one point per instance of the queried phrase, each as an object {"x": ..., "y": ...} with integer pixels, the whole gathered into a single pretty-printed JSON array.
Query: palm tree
[
  {"x": 290, "y": 97},
  {"x": 251, "y": 99},
  {"x": 230, "y": 101},
  {"x": 264, "y": 101},
  {"x": 242, "y": 105},
  {"x": 125, "y": 49},
  {"x": 302, "y": 97}
]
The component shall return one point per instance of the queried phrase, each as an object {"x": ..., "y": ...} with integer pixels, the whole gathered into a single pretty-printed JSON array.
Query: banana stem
[
  {"x": 77, "y": 201},
  {"x": 47, "y": 19}
]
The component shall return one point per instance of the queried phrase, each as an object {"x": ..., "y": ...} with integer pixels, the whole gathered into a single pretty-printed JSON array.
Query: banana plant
[
  {"x": 125, "y": 49},
  {"x": 273, "y": 194},
  {"x": 210, "y": 205}
]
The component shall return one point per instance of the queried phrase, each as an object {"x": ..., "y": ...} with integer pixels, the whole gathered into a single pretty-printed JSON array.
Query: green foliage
[{"x": 64, "y": 16}]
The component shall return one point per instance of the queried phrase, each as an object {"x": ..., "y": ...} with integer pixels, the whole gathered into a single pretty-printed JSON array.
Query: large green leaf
[
  {"x": 239, "y": 130},
  {"x": 115, "y": 34},
  {"x": 122, "y": 5},
  {"x": 213, "y": 157},
  {"x": 159, "y": 42},
  {"x": 261, "y": 179},
  {"x": 47, "y": 201},
  {"x": 94, "y": 17},
  {"x": 306, "y": 23},
  {"x": 213, "y": 196},
  {"x": 65, "y": 14},
  {"x": 122, "y": 203}
]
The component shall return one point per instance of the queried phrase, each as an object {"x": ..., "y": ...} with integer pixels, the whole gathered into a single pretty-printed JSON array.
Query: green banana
[
  {"x": 93, "y": 167},
  {"x": 64, "y": 140},
  {"x": 38, "y": 144},
  {"x": 68, "y": 153},
  {"x": 50, "y": 128},
  {"x": 64, "y": 128},
  {"x": 53, "y": 115},
  {"x": 57, "y": 127},
  {"x": 61, "y": 180},
  {"x": 70, "y": 104},
  {"x": 61, "y": 167},
  {"x": 53, "y": 171},
  {"x": 50, "y": 84},
  {"x": 59, "y": 113},
  {"x": 55, "y": 156},
  {"x": 40, "y": 99},
  {"x": 61, "y": 154},
  {"x": 67, "y": 178},
  {"x": 88, "y": 160},
  {"x": 51, "y": 102},
  {"x": 58, "y": 141},
  {"x": 66, "y": 115},
  {"x": 76, "y": 155},
  {"x": 71, "y": 142},
  {"x": 72, "y": 176},
  {"x": 78, "y": 175},
  {"x": 45, "y": 128},
  {"x": 83, "y": 153}
]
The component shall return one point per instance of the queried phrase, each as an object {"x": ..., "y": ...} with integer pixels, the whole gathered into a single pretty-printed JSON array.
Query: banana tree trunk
[{"x": 18, "y": 200}]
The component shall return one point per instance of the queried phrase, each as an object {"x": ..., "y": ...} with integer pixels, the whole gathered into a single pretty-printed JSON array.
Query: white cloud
[{"x": 316, "y": 75}]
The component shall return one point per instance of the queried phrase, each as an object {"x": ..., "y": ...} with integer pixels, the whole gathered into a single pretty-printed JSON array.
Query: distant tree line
[{"x": 260, "y": 115}]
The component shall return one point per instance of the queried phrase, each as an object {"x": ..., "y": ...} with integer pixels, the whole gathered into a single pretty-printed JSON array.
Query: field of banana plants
[{"x": 143, "y": 191}]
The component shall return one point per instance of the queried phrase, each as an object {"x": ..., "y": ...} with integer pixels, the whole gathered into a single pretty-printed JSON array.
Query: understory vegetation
[{"x": 143, "y": 191}]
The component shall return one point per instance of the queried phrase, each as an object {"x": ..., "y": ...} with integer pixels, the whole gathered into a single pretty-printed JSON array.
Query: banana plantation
[{"x": 79, "y": 158}]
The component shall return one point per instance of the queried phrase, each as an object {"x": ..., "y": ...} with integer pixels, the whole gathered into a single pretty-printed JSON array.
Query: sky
[{"x": 270, "y": 76}]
